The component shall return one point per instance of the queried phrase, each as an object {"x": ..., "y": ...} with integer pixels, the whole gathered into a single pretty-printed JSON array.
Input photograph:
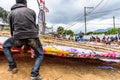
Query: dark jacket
[{"x": 22, "y": 22}]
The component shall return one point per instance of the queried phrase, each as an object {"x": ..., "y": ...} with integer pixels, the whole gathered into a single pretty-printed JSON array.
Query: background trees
[
  {"x": 60, "y": 30},
  {"x": 3, "y": 15}
]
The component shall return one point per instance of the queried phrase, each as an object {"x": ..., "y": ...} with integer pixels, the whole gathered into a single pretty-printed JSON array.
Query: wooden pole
[{"x": 113, "y": 21}]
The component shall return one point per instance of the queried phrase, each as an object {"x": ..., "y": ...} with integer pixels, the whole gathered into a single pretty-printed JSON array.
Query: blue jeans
[{"x": 34, "y": 43}]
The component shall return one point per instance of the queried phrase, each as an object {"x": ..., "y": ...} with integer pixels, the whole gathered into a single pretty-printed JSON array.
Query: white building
[{"x": 2, "y": 25}]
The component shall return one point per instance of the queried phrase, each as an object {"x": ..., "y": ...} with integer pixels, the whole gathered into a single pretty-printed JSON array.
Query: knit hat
[{"x": 21, "y": 1}]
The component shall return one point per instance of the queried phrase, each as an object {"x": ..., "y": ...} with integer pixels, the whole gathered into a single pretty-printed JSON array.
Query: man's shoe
[
  {"x": 13, "y": 71},
  {"x": 36, "y": 78}
]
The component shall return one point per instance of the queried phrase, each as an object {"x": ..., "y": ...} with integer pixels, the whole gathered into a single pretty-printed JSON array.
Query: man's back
[{"x": 23, "y": 22}]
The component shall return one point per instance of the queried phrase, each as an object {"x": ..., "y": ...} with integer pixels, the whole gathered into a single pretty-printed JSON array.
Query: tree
[
  {"x": 88, "y": 33},
  {"x": 60, "y": 30},
  {"x": 113, "y": 31},
  {"x": 3, "y": 14},
  {"x": 69, "y": 32}
]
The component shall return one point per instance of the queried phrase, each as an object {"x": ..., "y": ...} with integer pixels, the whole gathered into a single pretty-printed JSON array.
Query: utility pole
[
  {"x": 113, "y": 21},
  {"x": 85, "y": 14},
  {"x": 85, "y": 19},
  {"x": 43, "y": 21},
  {"x": 43, "y": 28},
  {"x": 52, "y": 28}
]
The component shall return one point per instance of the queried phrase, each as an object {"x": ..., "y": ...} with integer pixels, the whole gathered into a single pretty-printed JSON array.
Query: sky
[{"x": 70, "y": 13}]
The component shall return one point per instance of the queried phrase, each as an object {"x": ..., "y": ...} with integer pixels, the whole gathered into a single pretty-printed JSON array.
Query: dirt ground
[{"x": 58, "y": 68}]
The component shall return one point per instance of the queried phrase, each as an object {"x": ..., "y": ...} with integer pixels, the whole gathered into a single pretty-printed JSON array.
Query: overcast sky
[{"x": 70, "y": 13}]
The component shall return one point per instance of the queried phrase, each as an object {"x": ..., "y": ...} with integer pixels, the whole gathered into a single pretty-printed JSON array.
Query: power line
[
  {"x": 72, "y": 25},
  {"x": 89, "y": 12},
  {"x": 107, "y": 11},
  {"x": 93, "y": 8},
  {"x": 102, "y": 24},
  {"x": 85, "y": 14},
  {"x": 94, "y": 13},
  {"x": 96, "y": 6}
]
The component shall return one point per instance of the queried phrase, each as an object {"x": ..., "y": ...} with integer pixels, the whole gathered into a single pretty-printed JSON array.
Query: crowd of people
[{"x": 105, "y": 40}]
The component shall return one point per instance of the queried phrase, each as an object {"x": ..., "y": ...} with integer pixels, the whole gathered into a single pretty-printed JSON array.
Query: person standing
[{"x": 24, "y": 31}]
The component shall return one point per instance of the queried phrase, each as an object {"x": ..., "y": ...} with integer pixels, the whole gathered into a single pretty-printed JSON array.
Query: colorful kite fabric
[{"x": 66, "y": 51}]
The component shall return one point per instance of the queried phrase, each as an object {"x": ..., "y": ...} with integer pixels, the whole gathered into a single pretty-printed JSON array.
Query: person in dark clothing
[
  {"x": 112, "y": 39},
  {"x": 119, "y": 33},
  {"x": 81, "y": 34},
  {"x": 115, "y": 38},
  {"x": 24, "y": 31},
  {"x": 92, "y": 39},
  {"x": 104, "y": 39},
  {"x": 97, "y": 39},
  {"x": 108, "y": 40}
]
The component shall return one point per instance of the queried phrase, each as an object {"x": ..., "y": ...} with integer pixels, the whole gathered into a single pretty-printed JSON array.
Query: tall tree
[
  {"x": 60, "y": 30},
  {"x": 3, "y": 15}
]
